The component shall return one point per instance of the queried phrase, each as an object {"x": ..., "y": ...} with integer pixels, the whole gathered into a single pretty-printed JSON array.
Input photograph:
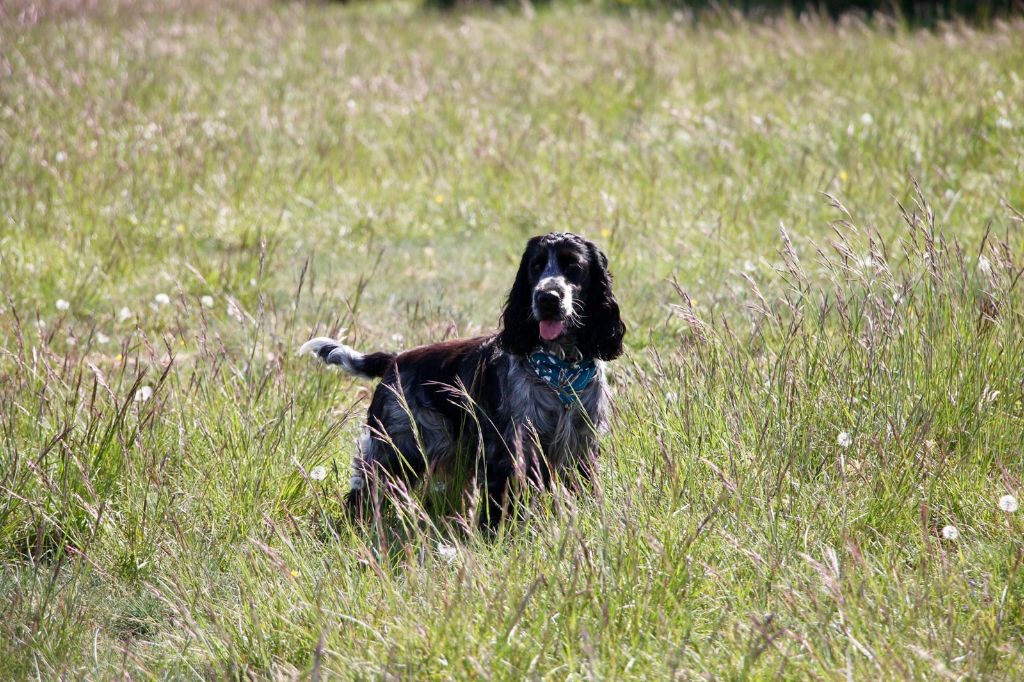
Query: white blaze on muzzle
[{"x": 553, "y": 281}]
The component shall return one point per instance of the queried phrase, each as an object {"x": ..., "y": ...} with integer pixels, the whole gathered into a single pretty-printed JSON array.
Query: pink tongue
[{"x": 551, "y": 329}]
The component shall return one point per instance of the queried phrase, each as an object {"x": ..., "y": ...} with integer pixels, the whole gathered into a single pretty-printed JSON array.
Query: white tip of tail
[
  {"x": 313, "y": 346},
  {"x": 335, "y": 353}
]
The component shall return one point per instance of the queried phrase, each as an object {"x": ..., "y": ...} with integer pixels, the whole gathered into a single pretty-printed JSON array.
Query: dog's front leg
[
  {"x": 580, "y": 477},
  {"x": 495, "y": 478},
  {"x": 512, "y": 464}
]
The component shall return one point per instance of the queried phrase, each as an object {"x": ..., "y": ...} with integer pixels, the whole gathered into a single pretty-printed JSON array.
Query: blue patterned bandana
[{"x": 567, "y": 379}]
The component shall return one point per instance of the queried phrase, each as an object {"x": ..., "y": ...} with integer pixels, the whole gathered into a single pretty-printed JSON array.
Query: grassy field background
[{"x": 815, "y": 231}]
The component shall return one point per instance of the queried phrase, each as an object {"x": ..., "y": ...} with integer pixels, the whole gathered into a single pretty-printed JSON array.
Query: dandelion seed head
[
  {"x": 866, "y": 119},
  {"x": 447, "y": 552},
  {"x": 318, "y": 473},
  {"x": 161, "y": 299},
  {"x": 206, "y": 301},
  {"x": 1008, "y": 503},
  {"x": 844, "y": 439},
  {"x": 124, "y": 314},
  {"x": 143, "y": 394},
  {"x": 950, "y": 533},
  {"x": 102, "y": 338},
  {"x": 62, "y": 304}
]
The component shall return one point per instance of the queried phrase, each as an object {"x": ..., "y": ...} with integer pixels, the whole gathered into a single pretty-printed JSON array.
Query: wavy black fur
[
  {"x": 519, "y": 334},
  {"x": 603, "y": 329}
]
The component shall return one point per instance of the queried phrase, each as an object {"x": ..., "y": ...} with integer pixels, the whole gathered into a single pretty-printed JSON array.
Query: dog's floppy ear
[
  {"x": 601, "y": 336},
  {"x": 519, "y": 333}
]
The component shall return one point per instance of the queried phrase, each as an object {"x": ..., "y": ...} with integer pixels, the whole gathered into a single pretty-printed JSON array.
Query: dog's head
[{"x": 562, "y": 299}]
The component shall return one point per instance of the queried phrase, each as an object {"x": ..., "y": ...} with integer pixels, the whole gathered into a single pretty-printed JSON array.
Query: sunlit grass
[{"x": 815, "y": 233}]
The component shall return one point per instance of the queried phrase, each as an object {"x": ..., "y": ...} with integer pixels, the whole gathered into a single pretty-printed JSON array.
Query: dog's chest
[{"x": 563, "y": 431}]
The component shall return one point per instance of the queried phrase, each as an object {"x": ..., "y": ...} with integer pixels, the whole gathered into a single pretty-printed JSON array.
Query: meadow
[{"x": 815, "y": 230}]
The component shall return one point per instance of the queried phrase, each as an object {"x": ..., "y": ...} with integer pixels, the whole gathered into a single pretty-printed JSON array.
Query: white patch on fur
[
  {"x": 559, "y": 285},
  {"x": 358, "y": 481}
]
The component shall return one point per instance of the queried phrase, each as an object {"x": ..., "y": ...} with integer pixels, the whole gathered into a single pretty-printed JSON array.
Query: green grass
[{"x": 378, "y": 168}]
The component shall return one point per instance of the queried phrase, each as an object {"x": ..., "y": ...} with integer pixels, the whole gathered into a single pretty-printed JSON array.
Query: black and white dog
[{"x": 504, "y": 410}]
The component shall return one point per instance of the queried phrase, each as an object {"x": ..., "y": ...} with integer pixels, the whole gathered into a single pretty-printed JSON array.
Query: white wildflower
[
  {"x": 206, "y": 301},
  {"x": 447, "y": 552},
  {"x": 866, "y": 119},
  {"x": 1004, "y": 123},
  {"x": 124, "y": 314},
  {"x": 234, "y": 311},
  {"x": 1008, "y": 503},
  {"x": 72, "y": 341},
  {"x": 950, "y": 533},
  {"x": 102, "y": 338},
  {"x": 318, "y": 473},
  {"x": 844, "y": 440},
  {"x": 61, "y": 156},
  {"x": 62, "y": 304},
  {"x": 162, "y": 299},
  {"x": 143, "y": 394}
]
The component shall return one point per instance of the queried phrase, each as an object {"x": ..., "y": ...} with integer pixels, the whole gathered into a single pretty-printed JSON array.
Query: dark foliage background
[{"x": 911, "y": 10}]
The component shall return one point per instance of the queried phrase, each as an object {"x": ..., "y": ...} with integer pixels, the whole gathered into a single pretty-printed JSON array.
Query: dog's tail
[{"x": 368, "y": 366}]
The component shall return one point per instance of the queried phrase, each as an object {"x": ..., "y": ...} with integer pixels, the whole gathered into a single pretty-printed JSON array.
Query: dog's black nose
[{"x": 547, "y": 299}]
